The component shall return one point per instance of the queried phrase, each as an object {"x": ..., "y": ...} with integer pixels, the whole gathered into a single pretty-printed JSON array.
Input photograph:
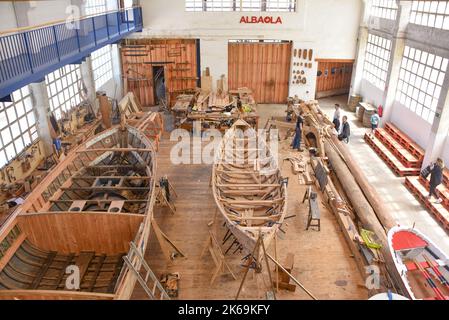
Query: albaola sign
[{"x": 261, "y": 19}]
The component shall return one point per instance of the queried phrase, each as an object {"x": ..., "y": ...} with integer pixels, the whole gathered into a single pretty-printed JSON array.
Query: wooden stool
[{"x": 313, "y": 219}]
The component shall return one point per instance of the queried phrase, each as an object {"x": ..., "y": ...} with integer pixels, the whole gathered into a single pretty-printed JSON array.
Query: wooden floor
[{"x": 323, "y": 262}]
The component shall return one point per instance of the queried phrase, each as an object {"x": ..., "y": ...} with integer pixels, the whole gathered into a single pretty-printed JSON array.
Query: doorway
[
  {"x": 262, "y": 66},
  {"x": 159, "y": 85}
]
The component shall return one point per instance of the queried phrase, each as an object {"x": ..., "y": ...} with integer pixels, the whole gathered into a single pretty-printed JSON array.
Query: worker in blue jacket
[{"x": 296, "y": 143}]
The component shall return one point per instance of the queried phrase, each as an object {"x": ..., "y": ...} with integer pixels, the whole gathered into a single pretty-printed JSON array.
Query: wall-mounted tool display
[{"x": 301, "y": 58}]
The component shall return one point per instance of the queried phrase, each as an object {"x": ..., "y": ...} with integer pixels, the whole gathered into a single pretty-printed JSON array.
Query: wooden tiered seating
[
  {"x": 401, "y": 154},
  {"x": 420, "y": 187}
]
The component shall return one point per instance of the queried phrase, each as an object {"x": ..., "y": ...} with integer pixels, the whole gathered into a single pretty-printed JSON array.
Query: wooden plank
[
  {"x": 52, "y": 295},
  {"x": 83, "y": 261},
  {"x": 12, "y": 250},
  {"x": 43, "y": 270},
  {"x": 114, "y": 150},
  {"x": 75, "y": 232},
  {"x": 105, "y": 188}
]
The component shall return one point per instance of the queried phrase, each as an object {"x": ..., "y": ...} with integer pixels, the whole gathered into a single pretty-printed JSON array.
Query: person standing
[
  {"x": 436, "y": 178},
  {"x": 375, "y": 119},
  {"x": 296, "y": 143},
  {"x": 336, "y": 119},
  {"x": 345, "y": 130}
]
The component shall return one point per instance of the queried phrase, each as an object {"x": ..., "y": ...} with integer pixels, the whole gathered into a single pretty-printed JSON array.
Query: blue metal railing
[{"x": 28, "y": 56}]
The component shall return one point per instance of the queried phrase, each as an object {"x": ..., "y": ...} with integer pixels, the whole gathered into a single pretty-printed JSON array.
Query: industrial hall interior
[{"x": 224, "y": 150}]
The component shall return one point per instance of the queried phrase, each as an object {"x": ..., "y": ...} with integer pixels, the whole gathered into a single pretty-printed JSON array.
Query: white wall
[
  {"x": 445, "y": 153},
  {"x": 413, "y": 125},
  {"x": 329, "y": 27},
  {"x": 8, "y": 17},
  {"x": 113, "y": 87},
  {"x": 371, "y": 93}
]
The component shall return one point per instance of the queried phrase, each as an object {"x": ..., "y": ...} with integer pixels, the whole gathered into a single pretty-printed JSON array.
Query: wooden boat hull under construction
[
  {"x": 247, "y": 186},
  {"x": 84, "y": 214},
  {"x": 423, "y": 267}
]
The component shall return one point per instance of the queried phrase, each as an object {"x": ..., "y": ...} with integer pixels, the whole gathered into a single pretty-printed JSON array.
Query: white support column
[
  {"x": 87, "y": 76},
  {"x": 362, "y": 41},
  {"x": 440, "y": 126},
  {"x": 397, "y": 51},
  {"x": 117, "y": 71},
  {"x": 41, "y": 108}
]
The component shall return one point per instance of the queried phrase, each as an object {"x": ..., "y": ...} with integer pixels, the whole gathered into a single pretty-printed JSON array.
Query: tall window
[
  {"x": 95, "y": 6},
  {"x": 386, "y": 9},
  {"x": 420, "y": 80},
  {"x": 63, "y": 87},
  {"x": 434, "y": 14},
  {"x": 377, "y": 60},
  {"x": 127, "y": 4},
  {"x": 241, "y": 5},
  {"x": 102, "y": 66},
  {"x": 17, "y": 125}
]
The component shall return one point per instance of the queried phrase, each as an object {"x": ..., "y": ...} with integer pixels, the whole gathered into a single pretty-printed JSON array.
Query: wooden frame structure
[
  {"x": 149, "y": 123},
  {"x": 247, "y": 186},
  {"x": 84, "y": 214}
]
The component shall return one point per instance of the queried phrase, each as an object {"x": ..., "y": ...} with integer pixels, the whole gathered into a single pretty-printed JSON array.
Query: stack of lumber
[
  {"x": 298, "y": 165},
  {"x": 222, "y": 84},
  {"x": 183, "y": 102},
  {"x": 401, "y": 153},
  {"x": 245, "y": 95},
  {"x": 206, "y": 80},
  {"x": 354, "y": 100},
  {"x": 364, "y": 113},
  {"x": 420, "y": 188},
  {"x": 219, "y": 101},
  {"x": 202, "y": 101},
  {"x": 129, "y": 105},
  {"x": 215, "y": 109}
]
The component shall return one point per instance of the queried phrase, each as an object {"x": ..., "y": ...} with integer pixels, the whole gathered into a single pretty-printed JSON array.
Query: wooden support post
[
  {"x": 218, "y": 257},
  {"x": 165, "y": 242},
  {"x": 293, "y": 278}
]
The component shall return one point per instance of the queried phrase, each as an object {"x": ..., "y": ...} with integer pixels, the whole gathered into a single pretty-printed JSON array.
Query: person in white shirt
[{"x": 336, "y": 119}]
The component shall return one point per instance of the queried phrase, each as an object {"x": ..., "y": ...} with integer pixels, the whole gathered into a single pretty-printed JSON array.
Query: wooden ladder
[{"x": 135, "y": 260}]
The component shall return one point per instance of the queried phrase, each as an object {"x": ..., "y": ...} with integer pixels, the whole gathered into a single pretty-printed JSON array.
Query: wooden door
[
  {"x": 178, "y": 57},
  {"x": 262, "y": 67},
  {"x": 333, "y": 77}
]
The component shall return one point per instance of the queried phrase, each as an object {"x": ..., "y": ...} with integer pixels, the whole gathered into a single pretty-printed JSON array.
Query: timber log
[
  {"x": 373, "y": 197},
  {"x": 364, "y": 210}
]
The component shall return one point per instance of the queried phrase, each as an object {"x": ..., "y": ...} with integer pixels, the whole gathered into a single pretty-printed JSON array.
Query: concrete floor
[{"x": 405, "y": 208}]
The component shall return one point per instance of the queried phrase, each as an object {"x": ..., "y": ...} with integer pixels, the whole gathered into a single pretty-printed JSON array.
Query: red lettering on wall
[{"x": 261, "y": 19}]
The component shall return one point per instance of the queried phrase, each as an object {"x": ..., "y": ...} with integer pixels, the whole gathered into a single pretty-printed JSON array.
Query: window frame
[
  {"x": 9, "y": 111},
  {"x": 93, "y": 7},
  {"x": 241, "y": 6},
  {"x": 421, "y": 78},
  {"x": 102, "y": 66},
  {"x": 377, "y": 60},
  {"x": 386, "y": 9},
  {"x": 434, "y": 12},
  {"x": 64, "y": 98}
]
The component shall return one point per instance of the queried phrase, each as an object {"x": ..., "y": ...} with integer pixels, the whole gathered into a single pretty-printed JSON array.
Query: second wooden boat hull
[{"x": 248, "y": 188}]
